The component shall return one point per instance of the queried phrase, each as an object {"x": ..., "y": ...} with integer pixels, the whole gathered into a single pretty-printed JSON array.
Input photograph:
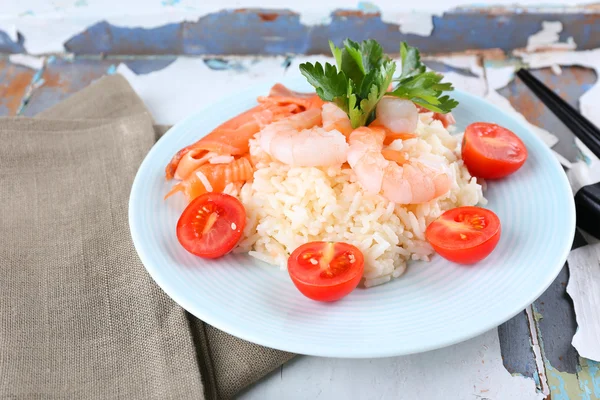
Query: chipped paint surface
[
  {"x": 498, "y": 78},
  {"x": 562, "y": 385},
  {"x": 14, "y": 82},
  {"x": 189, "y": 27},
  {"x": 588, "y": 103},
  {"x": 584, "y": 384},
  {"x": 549, "y": 38},
  {"x": 416, "y": 22},
  {"x": 27, "y": 60},
  {"x": 584, "y": 289},
  {"x": 469, "y": 370},
  {"x": 189, "y": 84}
]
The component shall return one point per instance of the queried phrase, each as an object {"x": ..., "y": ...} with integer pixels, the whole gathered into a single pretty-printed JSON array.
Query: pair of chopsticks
[{"x": 587, "y": 132}]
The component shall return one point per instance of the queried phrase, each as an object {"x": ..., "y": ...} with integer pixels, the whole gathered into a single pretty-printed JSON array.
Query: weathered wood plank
[
  {"x": 515, "y": 345},
  {"x": 8, "y": 46},
  {"x": 14, "y": 81},
  {"x": 257, "y": 31},
  {"x": 570, "y": 85},
  {"x": 63, "y": 76},
  {"x": 569, "y": 376}
]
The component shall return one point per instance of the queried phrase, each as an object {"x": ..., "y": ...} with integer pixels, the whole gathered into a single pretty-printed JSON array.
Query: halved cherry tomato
[
  {"x": 490, "y": 151},
  {"x": 211, "y": 225},
  {"x": 464, "y": 235},
  {"x": 326, "y": 271}
]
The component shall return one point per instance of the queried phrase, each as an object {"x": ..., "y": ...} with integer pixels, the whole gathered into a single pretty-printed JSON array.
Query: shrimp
[
  {"x": 409, "y": 183},
  {"x": 213, "y": 178},
  {"x": 280, "y": 95},
  {"x": 300, "y": 141},
  {"x": 397, "y": 115},
  {"x": 231, "y": 137},
  {"x": 335, "y": 118}
]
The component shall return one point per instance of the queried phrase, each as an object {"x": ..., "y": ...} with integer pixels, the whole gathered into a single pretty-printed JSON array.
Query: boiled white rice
[{"x": 287, "y": 207}]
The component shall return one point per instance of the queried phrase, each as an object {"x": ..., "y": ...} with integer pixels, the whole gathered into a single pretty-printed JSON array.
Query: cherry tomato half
[
  {"x": 490, "y": 151},
  {"x": 211, "y": 225},
  {"x": 464, "y": 235},
  {"x": 326, "y": 271}
]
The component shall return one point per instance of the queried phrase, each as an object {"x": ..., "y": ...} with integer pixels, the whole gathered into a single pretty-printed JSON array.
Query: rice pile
[{"x": 287, "y": 207}]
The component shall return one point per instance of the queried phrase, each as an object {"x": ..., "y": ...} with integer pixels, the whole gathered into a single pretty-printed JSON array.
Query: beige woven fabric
[{"x": 79, "y": 315}]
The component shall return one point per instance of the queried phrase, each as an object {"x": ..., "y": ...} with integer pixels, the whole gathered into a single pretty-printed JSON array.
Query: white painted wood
[
  {"x": 188, "y": 84},
  {"x": 584, "y": 289},
  {"x": 470, "y": 370}
]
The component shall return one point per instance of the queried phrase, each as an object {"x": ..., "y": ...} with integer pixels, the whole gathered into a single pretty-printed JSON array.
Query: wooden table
[{"x": 535, "y": 344}]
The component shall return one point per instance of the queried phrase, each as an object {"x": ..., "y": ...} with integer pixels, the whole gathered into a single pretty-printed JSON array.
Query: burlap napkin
[{"x": 79, "y": 315}]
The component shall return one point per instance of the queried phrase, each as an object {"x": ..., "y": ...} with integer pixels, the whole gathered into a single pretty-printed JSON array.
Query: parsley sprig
[{"x": 364, "y": 73}]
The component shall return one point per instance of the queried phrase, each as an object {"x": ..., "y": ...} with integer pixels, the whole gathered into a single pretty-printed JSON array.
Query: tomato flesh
[
  {"x": 326, "y": 271},
  {"x": 211, "y": 225},
  {"x": 491, "y": 151},
  {"x": 464, "y": 235}
]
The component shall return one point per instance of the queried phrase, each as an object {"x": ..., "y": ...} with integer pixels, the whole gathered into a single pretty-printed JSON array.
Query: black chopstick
[
  {"x": 542, "y": 90},
  {"x": 586, "y": 131}
]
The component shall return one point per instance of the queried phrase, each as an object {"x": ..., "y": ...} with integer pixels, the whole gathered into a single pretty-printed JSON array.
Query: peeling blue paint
[
  {"x": 109, "y": 39},
  {"x": 368, "y": 7},
  {"x": 219, "y": 64},
  {"x": 37, "y": 76},
  {"x": 260, "y": 31},
  {"x": 560, "y": 392},
  {"x": 146, "y": 66},
  {"x": 111, "y": 70},
  {"x": 7, "y": 45},
  {"x": 585, "y": 390},
  {"x": 582, "y": 156},
  {"x": 248, "y": 32},
  {"x": 441, "y": 67},
  {"x": 50, "y": 60},
  {"x": 287, "y": 62},
  {"x": 594, "y": 370}
]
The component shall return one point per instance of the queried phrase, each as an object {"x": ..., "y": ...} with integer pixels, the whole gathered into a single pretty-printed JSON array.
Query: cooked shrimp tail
[{"x": 213, "y": 178}]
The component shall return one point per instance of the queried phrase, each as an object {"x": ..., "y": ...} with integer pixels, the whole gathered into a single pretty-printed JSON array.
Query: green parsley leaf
[
  {"x": 363, "y": 75},
  {"x": 421, "y": 87},
  {"x": 361, "y": 79},
  {"x": 411, "y": 62},
  {"x": 329, "y": 83}
]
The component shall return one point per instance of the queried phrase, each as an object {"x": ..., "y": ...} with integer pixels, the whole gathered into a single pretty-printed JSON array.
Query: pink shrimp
[
  {"x": 217, "y": 176},
  {"x": 409, "y": 183},
  {"x": 336, "y": 118},
  {"x": 300, "y": 141},
  {"x": 231, "y": 137}
]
